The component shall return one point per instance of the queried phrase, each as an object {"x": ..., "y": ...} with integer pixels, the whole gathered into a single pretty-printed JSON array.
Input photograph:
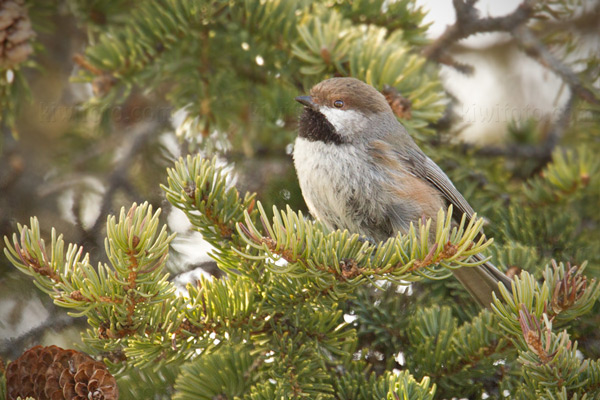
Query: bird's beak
[{"x": 307, "y": 101}]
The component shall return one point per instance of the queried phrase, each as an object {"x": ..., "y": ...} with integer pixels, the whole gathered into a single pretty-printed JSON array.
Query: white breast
[{"x": 330, "y": 175}]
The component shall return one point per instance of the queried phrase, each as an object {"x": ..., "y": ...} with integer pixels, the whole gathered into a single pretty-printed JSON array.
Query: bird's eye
[{"x": 338, "y": 104}]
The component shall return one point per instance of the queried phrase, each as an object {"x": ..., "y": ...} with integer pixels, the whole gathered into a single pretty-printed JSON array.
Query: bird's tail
[{"x": 482, "y": 281}]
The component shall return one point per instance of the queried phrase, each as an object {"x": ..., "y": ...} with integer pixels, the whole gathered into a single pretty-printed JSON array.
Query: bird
[{"x": 360, "y": 170}]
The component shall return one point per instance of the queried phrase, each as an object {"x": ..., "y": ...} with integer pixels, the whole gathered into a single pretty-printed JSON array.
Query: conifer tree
[{"x": 295, "y": 310}]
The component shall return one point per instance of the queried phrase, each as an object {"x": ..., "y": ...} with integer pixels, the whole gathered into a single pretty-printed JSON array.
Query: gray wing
[
  {"x": 424, "y": 167},
  {"x": 479, "y": 281},
  {"x": 405, "y": 150},
  {"x": 440, "y": 180}
]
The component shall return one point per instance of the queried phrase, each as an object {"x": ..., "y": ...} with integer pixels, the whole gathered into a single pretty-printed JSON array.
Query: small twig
[
  {"x": 534, "y": 48},
  {"x": 468, "y": 23},
  {"x": 464, "y": 68},
  {"x": 584, "y": 21},
  {"x": 80, "y": 60}
]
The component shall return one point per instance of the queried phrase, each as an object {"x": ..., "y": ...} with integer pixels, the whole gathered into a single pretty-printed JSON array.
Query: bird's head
[{"x": 340, "y": 110}]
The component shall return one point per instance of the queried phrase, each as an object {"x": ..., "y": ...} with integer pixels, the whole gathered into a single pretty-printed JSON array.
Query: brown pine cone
[
  {"x": 15, "y": 33},
  {"x": 52, "y": 373}
]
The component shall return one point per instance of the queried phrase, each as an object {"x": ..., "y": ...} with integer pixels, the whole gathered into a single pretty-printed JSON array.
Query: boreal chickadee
[{"x": 360, "y": 170}]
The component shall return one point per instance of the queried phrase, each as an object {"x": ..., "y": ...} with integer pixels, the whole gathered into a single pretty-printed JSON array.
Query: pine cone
[
  {"x": 52, "y": 373},
  {"x": 15, "y": 33}
]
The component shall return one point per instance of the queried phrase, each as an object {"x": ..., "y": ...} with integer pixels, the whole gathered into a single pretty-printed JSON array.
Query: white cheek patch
[{"x": 345, "y": 122}]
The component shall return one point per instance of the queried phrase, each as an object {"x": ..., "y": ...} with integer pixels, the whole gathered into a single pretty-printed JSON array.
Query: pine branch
[
  {"x": 214, "y": 207},
  {"x": 550, "y": 362},
  {"x": 436, "y": 347},
  {"x": 359, "y": 383},
  {"x": 117, "y": 299},
  {"x": 563, "y": 296},
  {"x": 201, "y": 190},
  {"x": 290, "y": 40},
  {"x": 152, "y": 382},
  {"x": 402, "y": 15},
  {"x": 224, "y": 373},
  {"x": 344, "y": 258},
  {"x": 569, "y": 174},
  {"x": 281, "y": 295},
  {"x": 475, "y": 342}
]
